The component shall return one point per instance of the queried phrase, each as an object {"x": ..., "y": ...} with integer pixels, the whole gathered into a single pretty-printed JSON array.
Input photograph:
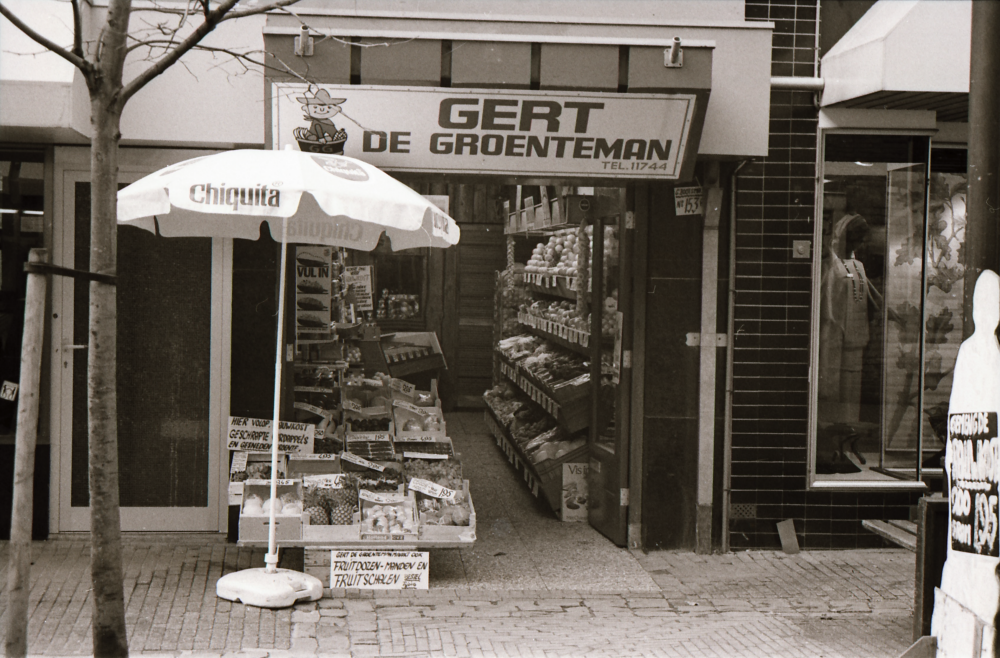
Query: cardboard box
[{"x": 452, "y": 533}]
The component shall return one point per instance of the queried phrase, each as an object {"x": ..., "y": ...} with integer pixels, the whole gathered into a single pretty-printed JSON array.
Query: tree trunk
[
  {"x": 109, "y": 634},
  {"x": 19, "y": 564}
]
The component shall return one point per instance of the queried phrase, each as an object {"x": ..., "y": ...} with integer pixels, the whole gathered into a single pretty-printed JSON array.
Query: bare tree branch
[
  {"x": 79, "y": 62},
  {"x": 77, "y": 30},
  {"x": 213, "y": 17},
  {"x": 278, "y": 4}
]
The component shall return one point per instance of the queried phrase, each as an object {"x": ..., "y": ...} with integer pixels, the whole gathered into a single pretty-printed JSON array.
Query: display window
[{"x": 889, "y": 307}]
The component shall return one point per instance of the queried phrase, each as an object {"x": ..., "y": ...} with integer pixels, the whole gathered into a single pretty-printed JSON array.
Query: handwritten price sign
[{"x": 688, "y": 201}]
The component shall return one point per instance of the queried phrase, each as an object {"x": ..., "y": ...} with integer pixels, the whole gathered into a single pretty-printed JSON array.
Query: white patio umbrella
[{"x": 305, "y": 198}]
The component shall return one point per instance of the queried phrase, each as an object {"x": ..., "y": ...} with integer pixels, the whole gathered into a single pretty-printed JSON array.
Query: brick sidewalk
[{"x": 836, "y": 603}]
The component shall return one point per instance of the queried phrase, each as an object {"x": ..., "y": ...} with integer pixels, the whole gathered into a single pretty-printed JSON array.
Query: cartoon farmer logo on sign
[{"x": 322, "y": 135}]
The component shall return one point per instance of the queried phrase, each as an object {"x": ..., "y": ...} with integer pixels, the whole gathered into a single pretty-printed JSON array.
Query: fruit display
[
  {"x": 553, "y": 365},
  {"x": 382, "y": 481},
  {"x": 369, "y": 424},
  {"x": 504, "y": 399},
  {"x": 353, "y": 354},
  {"x": 558, "y": 256},
  {"x": 511, "y": 296},
  {"x": 388, "y": 518},
  {"x": 398, "y": 306},
  {"x": 287, "y": 504},
  {"x": 445, "y": 472},
  {"x": 518, "y": 347},
  {"x": 440, "y": 511},
  {"x": 327, "y": 505}
]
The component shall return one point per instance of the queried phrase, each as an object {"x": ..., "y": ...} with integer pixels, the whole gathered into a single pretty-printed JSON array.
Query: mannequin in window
[{"x": 845, "y": 296}]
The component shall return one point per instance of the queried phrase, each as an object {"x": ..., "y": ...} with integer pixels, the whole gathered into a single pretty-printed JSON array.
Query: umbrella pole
[{"x": 271, "y": 559}]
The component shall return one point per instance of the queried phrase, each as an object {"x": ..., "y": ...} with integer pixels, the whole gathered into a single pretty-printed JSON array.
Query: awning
[
  {"x": 904, "y": 55},
  {"x": 44, "y": 98}
]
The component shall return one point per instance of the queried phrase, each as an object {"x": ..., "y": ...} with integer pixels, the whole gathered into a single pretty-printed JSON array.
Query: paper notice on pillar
[
  {"x": 254, "y": 435},
  {"x": 358, "y": 280},
  {"x": 972, "y": 461},
  {"x": 379, "y": 569},
  {"x": 574, "y": 492},
  {"x": 313, "y": 267}
]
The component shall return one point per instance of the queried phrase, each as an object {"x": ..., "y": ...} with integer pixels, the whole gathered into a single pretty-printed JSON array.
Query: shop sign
[
  {"x": 530, "y": 133},
  {"x": 379, "y": 569},
  {"x": 254, "y": 435},
  {"x": 973, "y": 464}
]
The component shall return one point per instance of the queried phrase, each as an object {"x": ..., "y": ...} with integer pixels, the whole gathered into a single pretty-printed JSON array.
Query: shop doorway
[
  {"x": 170, "y": 295},
  {"x": 562, "y": 327}
]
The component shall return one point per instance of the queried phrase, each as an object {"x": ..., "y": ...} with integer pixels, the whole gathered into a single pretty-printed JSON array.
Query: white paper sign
[
  {"x": 326, "y": 481},
  {"x": 239, "y": 462},
  {"x": 381, "y": 498},
  {"x": 431, "y": 489},
  {"x": 423, "y": 455},
  {"x": 361, "y": 461},
  {"x": 379, "y": 569},
  {"x": 404, "y": 387},
  {"x": 688, "y": 201},
  {"x": 8, "y": 391},
  {"x": 254, "y": 435},
  {"x": 409, "y": 406},
  {"x": 359, "y": 282}
]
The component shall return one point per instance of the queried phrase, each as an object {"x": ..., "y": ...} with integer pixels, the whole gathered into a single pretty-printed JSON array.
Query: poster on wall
[
  {"x": 358, "y": 279},
  {"x": 313, "y": 266},
  {"x": 485, "y": 131},
  {"x": 973, "y": 471}
]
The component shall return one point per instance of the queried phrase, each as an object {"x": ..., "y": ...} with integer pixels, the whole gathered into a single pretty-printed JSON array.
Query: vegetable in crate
[
  {"x": 369, "y": 424},
  {"x": 445, "y": 472}
]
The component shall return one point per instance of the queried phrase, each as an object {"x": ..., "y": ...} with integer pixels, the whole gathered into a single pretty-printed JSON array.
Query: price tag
[
  {"x": 423, "y": 411},
  {"x": 423, "y": 455},
  {"x": 239, "y": 462},
  {"x": 381, "y": 498},
  {"x": 404, "y": 387},
  {"x": 280, "y": 483},
  {"x": 361, "y": 461},
  {"x": 421, "y": 439},
  {"x": 431, "y": 489},
  {"x": 369, "y": 436},
  {"x": 327, "y": 481},
  {"x": 311, "y": 408},
  {"x": 320, "y": 456},
  {"x": 351, "y": 405},
  {"x": 688, "y": 201},
  {"x": 235, "y": 493}
]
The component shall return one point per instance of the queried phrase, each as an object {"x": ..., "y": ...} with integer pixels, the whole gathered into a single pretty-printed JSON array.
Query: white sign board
[
  {"x": 543, "y": 133},
  {"x": 688, "y": 201},
  {"x": 254, "y": 435},
  {"x": 358, "y": 280},
  {"x": 379, "y": 569}
]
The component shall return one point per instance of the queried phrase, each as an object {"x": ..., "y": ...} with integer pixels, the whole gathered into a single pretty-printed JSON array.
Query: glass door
[
  {"x": 608, "y": 244},
  {"x": 169, "y": 370}
]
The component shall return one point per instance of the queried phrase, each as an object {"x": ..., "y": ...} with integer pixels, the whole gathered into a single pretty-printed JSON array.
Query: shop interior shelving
[{"x": 572, "y": 404}]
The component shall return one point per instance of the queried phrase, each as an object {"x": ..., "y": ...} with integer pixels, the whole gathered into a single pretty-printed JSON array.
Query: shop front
[{"x": 588, "y": 165}]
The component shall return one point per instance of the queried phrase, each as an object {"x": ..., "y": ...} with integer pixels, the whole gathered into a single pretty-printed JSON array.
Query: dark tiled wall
[{"x": 774, "y": 206}]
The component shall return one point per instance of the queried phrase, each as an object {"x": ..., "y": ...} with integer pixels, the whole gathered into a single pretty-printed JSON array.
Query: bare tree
[{"x": 179, "y": 28}]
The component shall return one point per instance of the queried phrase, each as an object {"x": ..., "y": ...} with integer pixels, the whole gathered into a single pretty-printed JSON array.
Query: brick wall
[{"x": 773, "y": 296}]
